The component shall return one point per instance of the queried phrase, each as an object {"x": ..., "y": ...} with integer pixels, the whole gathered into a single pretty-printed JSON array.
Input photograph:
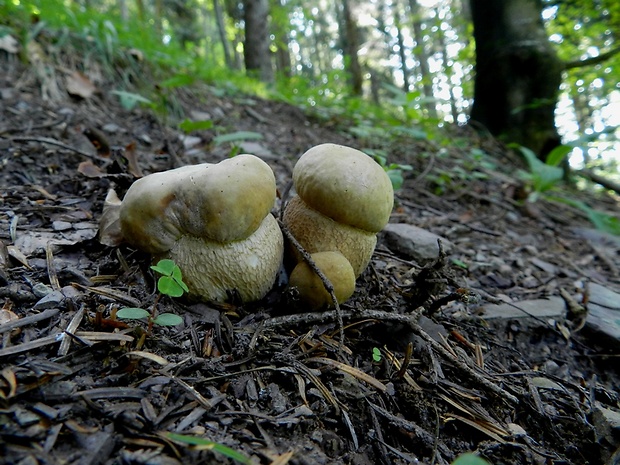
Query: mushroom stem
[{"x": 326, "y": 282}]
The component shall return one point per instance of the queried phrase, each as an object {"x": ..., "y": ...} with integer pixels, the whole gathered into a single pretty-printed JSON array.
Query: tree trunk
[
  {"x": 351, "y": 45},
  {"x": 221, "y": 28},
  {"x": 518, "y": 73},
  {"x": 256, "y": 46},
  {"x": 422, "y": 55},
  {"x": 401, "y": 47}
]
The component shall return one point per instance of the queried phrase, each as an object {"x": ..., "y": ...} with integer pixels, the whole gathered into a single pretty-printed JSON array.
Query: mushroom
[
  {"x": 312, "y": 292},
  {"x": 214, "y": 221},
  {"x": 344, "y": 198}
]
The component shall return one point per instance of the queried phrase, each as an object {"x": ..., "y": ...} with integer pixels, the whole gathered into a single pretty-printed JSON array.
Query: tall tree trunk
[
  {"x": 221, "y": 28},
  {"x": 447, "y": 70},
  {"x": 422, "y": 55},
  {"x": 518, "y": 73},
  {"x": 351, "y": 46},
  {"x": 256, "y": 46},
  {"x": 400, "y": 40},
  {"x": 281, "y": 24}
]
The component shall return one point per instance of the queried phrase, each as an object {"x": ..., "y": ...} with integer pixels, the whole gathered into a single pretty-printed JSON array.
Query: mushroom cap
[
  {"x": 221, "y": 202},
  {"x": 312, "y": 292},
  {"x": 345, "y": 185},
  {"x": 214, "y": 221},
  {"x": 318, "y": 233},
  {"x": 213, "y": 270}
]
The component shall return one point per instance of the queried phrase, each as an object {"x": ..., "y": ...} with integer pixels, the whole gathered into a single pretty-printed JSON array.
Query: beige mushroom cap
[
  {"x": 214, "y": 221},
  {"x": 312, "y": 292},
  {"x": 345, "y": 185}
]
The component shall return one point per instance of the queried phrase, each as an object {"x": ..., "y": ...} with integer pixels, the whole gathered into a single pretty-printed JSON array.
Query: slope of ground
[{"x": 77, "y": 386}]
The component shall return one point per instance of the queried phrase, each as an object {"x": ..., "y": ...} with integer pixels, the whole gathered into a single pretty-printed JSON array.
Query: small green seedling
[
  {"x": 469, "y": 459},
  {"x": 393, "y": 170},
  {"x": 171, "y": 284},
  {"x": 376, "y": 354},
  {"x": 205, "y": 444},
  {"x": 171, "y": 281}
]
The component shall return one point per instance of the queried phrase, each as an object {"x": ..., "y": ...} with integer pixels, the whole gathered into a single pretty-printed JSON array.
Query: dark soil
[{"x": 76, "y": 386}]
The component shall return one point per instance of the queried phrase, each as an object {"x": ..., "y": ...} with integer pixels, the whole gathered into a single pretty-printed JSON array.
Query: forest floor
[{"x": 76, "y": 388}]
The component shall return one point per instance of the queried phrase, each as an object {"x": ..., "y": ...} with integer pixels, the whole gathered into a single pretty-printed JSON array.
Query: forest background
[{"x": 544, "y": 73}]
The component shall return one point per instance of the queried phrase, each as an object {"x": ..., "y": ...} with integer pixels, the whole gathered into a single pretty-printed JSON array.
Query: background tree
[
  {"x": 256, "y": 45},
  {"x": 518, "y": 73}
]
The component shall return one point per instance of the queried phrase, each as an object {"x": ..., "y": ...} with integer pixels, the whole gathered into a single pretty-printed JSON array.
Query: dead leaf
[
  {"x": 9, "y": 44},
  {"x": 79, "y": 85},
  {"x": 90, "y": 170}
]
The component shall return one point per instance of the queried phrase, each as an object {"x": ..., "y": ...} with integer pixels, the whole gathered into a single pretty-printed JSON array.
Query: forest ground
[{"x": 273, "y": 386}]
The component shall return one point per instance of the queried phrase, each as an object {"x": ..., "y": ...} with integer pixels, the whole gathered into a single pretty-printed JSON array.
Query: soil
[{"x": 420, "y": 376}]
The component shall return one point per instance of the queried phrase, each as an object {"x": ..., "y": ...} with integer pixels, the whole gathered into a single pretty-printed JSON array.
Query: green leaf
[
  {"x": 469, "y": 459},
  {"x": 168, "y": 319},
  {"x": 165, "y": 267},
  {"x": 459, "y": 263},
  {"x": 132, "y": 313},
  {"x": 178, "y": 80},
  {"x": 129, "y": 100},
  {"x": 205, "y": 444},
  {"x": 237, "y": 136},
  {"x": 558, "y": 154},
  {"x": 169, "y": 286},
  {"x": 396, "y": 176},
  {"x": 188, "y": 126},
  {"x": 178, "y": 278},
  {"x": 376, "y": 354}
]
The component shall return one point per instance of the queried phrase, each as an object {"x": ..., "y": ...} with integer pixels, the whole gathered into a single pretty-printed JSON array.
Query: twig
[
  {"x": 461, "y": 366},
  {"x": 326, "y": 283},
  {"x": 50, "y": 141}
]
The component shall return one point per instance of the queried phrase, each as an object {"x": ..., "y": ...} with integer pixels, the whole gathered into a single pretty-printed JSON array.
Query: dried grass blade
[
  {"x": 110, "y": 293},
  {"x": 374, "y": 382},
  {"x": 11, "y": 325},
  {"x": 480, "y": 426}
]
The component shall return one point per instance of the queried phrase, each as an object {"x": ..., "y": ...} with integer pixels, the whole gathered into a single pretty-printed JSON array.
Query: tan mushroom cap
[
  {"x": 221, "y": 202},
  {"x": 214, "y": 221},
  {"x": 312, "y": 292},
  {"x": 345, "y": 185}
]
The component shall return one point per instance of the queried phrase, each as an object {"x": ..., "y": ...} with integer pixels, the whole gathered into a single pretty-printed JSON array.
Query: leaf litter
[{"x": 257, "y": 383}]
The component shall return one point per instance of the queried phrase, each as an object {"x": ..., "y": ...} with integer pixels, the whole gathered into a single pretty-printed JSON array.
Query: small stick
[{"x": 326, "y": 283}]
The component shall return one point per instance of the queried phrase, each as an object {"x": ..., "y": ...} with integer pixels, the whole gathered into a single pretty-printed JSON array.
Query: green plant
[
  {"x": 469, "y": 459},
  {"x": 205, "y": 444},
  {"x": 393, "y": 170},
  {"x": 171, "y": 284},
  {"x": 543, "y": 176},
  {"x": 376, "y": 354}
]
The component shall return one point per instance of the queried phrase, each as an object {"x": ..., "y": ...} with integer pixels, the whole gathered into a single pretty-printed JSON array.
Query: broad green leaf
[
  {"x": 168, "y": 319},
  {"x": 132, "y": 313},
  {"x": 469, "y": 459},
  {"x": 558, "y": 154},
  {"x": 396, "y": 176},
  {"x": 188, "y": 126},
  {"x": 164, "y": 267},
  {"x": 376, "y": 354},
  {"x": 129, "y": 100},
  {"x": 168, "y": 286},
  {"x": 237, "y": 136},
  {"x": 205, "y": 444}
]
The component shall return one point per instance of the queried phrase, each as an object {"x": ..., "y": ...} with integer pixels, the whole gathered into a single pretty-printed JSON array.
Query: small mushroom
[
  {"x": 344, "y": 198},
  {"x": 214, "y": 221},
  {"x": 312, "y": 292}
]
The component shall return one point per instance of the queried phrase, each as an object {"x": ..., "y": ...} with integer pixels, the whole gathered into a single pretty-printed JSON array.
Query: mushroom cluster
[
  {"x": 214, "y": 221},
  {"x": 344, "y": 198}
]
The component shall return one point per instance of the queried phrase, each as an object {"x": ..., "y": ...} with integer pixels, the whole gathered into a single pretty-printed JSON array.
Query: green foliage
[
  {"x": 171, "y": 281},
  {"x": 469, "y": 459},
  {"x": 205, "y": 444},
  {"x": 601, "y": 221},
  {"x": 393, "y": 170},
  {"x": 542, "y": 176},
  {"x": 376, "y": 354},
  {"x": 133, "y": 313}
]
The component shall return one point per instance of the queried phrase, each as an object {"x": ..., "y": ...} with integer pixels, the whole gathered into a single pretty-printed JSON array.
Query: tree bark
[
  {"x": 351, "y": 46},
  {"x": 518, "y": 73},
  {"x": 256, "y": 46},
  {"x": 221, "y": 28}
]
